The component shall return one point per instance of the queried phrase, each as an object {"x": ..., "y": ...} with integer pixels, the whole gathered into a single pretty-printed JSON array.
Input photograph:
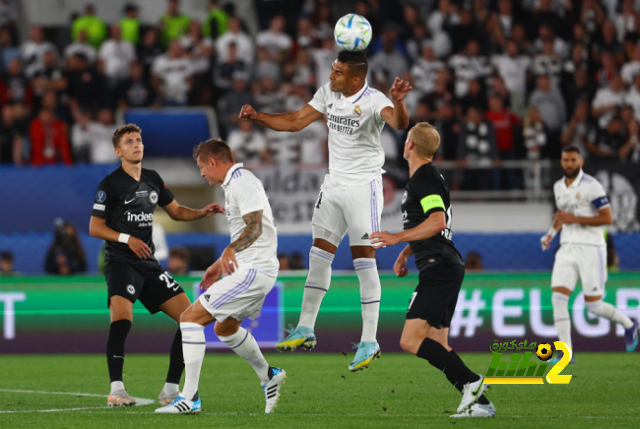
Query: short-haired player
[
  {"x": 427, "y": 218},
  {"x": 123, "y": 216},
  {"x": 583, "y": 210},
  {"x": 350, "y": 199},
  {"x": 251, "y": 265}
]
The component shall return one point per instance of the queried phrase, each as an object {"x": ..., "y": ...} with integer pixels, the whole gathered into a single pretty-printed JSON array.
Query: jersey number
[
  {"x": 171, "y": 283},
  {"x": 413, "y": 298},
  {"x": 446, "y": 233}
]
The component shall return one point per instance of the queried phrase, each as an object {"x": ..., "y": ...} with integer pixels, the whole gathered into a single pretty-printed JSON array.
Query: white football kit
[
  {"x": 242, "y": 294},
  {"x": 583, "y": 252},
  {"x": 351, "y": 197}
]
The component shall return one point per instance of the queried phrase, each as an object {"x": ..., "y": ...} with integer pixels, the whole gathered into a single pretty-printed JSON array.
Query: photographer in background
[{"x": 66, "y": 255}]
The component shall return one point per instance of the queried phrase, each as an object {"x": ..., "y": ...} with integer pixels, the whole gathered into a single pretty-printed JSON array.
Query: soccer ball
[
  {"x": 544, "y": 351},
  {"x": 352, "y": 32}
]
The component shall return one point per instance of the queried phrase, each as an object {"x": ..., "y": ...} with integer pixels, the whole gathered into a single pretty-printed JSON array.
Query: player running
[
  {"x": 426, "y": 214},
  {"x": 122, "y": 216},
  {"x": 583, "y": 209},
  {"x": 251, "y": 265},
  {"x": 351, "y": 197}
]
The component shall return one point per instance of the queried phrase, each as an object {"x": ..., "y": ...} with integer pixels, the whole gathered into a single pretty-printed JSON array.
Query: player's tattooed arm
[{"x": 251, "y": 233}]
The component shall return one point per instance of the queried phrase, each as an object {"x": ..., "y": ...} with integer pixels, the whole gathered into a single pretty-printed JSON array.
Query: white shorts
[
  {"x": 354, "y": 209},
  {"x": 589, "y": 263},
  {"x": 239, "y": 295}
]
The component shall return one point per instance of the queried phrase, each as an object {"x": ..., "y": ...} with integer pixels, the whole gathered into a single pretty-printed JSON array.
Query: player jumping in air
[
  {"x": 426, "y": 215},
  {"x": 122, "y": 216},
  {"x": 351, "y": 197},
  {"x": 583, "y": 210},
  {"x": 251, "y": 265}
]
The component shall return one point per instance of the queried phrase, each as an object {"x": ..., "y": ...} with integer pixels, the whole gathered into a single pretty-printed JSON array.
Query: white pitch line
[{"x": 140, "y": 401}]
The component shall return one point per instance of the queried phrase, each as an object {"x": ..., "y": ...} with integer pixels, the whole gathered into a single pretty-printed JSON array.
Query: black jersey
[
  {"x": 427, "y": 193},
  {"x": 128, "y": 206}
]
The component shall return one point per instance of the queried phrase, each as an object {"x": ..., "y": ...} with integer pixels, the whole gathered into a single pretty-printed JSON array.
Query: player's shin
[
  {"x": 118, "y": 332},
  {"x": 370, "y": 291},
  {"x": 561, "y": 318},
  {"x": 245, "y": 346},
  {"x": 176, "y": 365},
  {"x": 193, "y": 349},
  {"x": 453, "y": 368},
  {"x": 608, "y": 311},
  {"x": 316, "y": 286}
]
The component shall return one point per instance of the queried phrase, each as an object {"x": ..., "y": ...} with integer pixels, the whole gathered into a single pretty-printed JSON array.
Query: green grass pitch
[{"x": 399, "y": 390}]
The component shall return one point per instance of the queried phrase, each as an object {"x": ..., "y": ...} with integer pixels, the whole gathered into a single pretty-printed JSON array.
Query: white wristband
[
  {"x": 124, "y": 238},
  {"x": 552, "y": 232}
]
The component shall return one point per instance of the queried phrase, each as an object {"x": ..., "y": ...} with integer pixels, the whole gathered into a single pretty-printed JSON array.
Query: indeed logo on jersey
[
  {"x": 140, "y": 217},
  {"x": 342, "y": 125}
]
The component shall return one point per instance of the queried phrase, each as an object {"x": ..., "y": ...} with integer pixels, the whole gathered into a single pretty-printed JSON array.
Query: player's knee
[
  {"x": 410, "y": 344},
  {"x": 226, "y": 328}
]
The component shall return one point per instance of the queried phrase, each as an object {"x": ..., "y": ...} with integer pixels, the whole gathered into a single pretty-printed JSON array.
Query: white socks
[
  {"x": 245, "y": 346},
  {"x": 116, "y": 385},
  {"x": 193, "y": 348},
  {"x": 370, "y": 291},
  {"x": 608, "y": 311},
  {"x": 316, "y": 286},
  {"x": 561, "y": 318}
]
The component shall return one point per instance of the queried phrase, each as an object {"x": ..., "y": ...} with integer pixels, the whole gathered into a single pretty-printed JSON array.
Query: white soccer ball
[{"x": 353, "y": 32}]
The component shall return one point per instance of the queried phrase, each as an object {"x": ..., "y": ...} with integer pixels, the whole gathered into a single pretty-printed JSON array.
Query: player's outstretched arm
[
  {"x": 292, "y": 121},
  {"x": 98, "y": 229},
  {"x": 249, "y": 235},
  {"x": 398, "y": 116},
  {"x": 178, "y": 212},
  {"x": 435, "y": 223}
]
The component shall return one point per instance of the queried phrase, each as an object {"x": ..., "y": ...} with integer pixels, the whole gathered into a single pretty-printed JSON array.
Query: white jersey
[
  {"x": 355, "y": 153},
  {"x": 583, "y": 198},
  {"x": 245, "y": 194}
]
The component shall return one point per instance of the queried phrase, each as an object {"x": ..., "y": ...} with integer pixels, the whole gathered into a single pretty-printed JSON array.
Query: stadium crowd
[{"x": 501, "y": 79}]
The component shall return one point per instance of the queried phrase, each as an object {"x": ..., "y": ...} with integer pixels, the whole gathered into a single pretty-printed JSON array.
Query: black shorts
[
  {"x": 436, "y": 296},
  {"x": 148, "y": 283}
]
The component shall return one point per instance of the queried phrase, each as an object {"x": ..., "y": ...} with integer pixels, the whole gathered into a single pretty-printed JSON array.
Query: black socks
[
  {"x": 176, "y": 360},
  {"x": 118, "y": 332},
  {"x": 483, "y": 400}
]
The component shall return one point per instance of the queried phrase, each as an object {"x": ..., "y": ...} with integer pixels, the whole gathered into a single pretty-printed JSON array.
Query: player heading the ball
[{"x": 350, "y": 198}]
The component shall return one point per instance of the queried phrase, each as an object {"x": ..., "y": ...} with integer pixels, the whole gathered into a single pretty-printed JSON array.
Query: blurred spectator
[
  {"x": 535, "y": 143},
  {"x": 577, "y": 60},
  {"x": 603, "y": 144},
  {"x": 324, "y": 58},
  {"x": 148, "y": 50},
  {"x": 172, "y": 75},
  {"x": 236, "y": 36},
  {"x": 608, "y": 43},
  {"x": 200, "y": 50},
  {"x": 322, "y": 20},
  {"x": 630, "y": 151},
  {"x": 6, "y": 264},
  {"x": 302, "y": 70},
  {"x": 468, "y": 65},
  {"x": 389, "y": 62},
  {"x": 296, "y": 261},
  {"x": 577, "y": 88},
  {"x": 389, "y": 146},
  {"x": 504, "y": 121},
  {"x": 269, "y": 97},
  {"x": 477, "y": 145},
  {"x": 130, "y": 24},
  {"x": 283, "y": 259},
  {"x": 217, "y": 21},
  {"x": 84, "y": 84},
  {"x": 232, "y": 101},
  {"x": 8, "y": 14},
  {"x": 178, "y": 263},
  {"x": 632, "y": 97},
  {"x": 10, "y": 138},
  {"x": 576, "y": 131},
  {"x": 15, "y": 87},
  {"x": 473, "y": 261},
  {"x": 49, "y": 78},
  {"x": 275, "y": 40},
  {"x": 591, "y": 16},
  {"x": 66, "y": 255},
  {"x": 547, "y": 98},
  {"x": 223, "y": 73},
  {"x": 314, "y": 143},
  {"x": 173, "y": 24},
  {"x": 607, "y": 70},
  {"x": 548, "y": 36},
  {"x": 501, "y": 23},
  {"x": 81, "y": 46},
  {"x": 632, "y": 68},
  {"x": 248, "y": 144},
  {"x": 445, "y": 16},
  {"x": 513, "y": 67},
  {"x": 475, "y": 96},
  {"x": 284, "y": 147},
  {"x": 424, "y": 71},
  {"x": 626, "y": 21},
  {"x": 49, "y": 143},
  {"x": 265, "y": 66},
  {"x": 607, "y": 101},
  {"x": 465, "y": 31},
  {"x": 448, "y": 128},
  {"x": 305, "y": 37},
  {"x": 95, "y": 27},
  {"x": 115, "y": 58},
  {"x": 8, "y": 49},
  {"x": 439, "y": 94},
  {"x": 136, "y": 91},
  {"x": 91, "y": 140},
  {"x": 548, "y": 62},
  {"x": 33, "y": 51}
]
